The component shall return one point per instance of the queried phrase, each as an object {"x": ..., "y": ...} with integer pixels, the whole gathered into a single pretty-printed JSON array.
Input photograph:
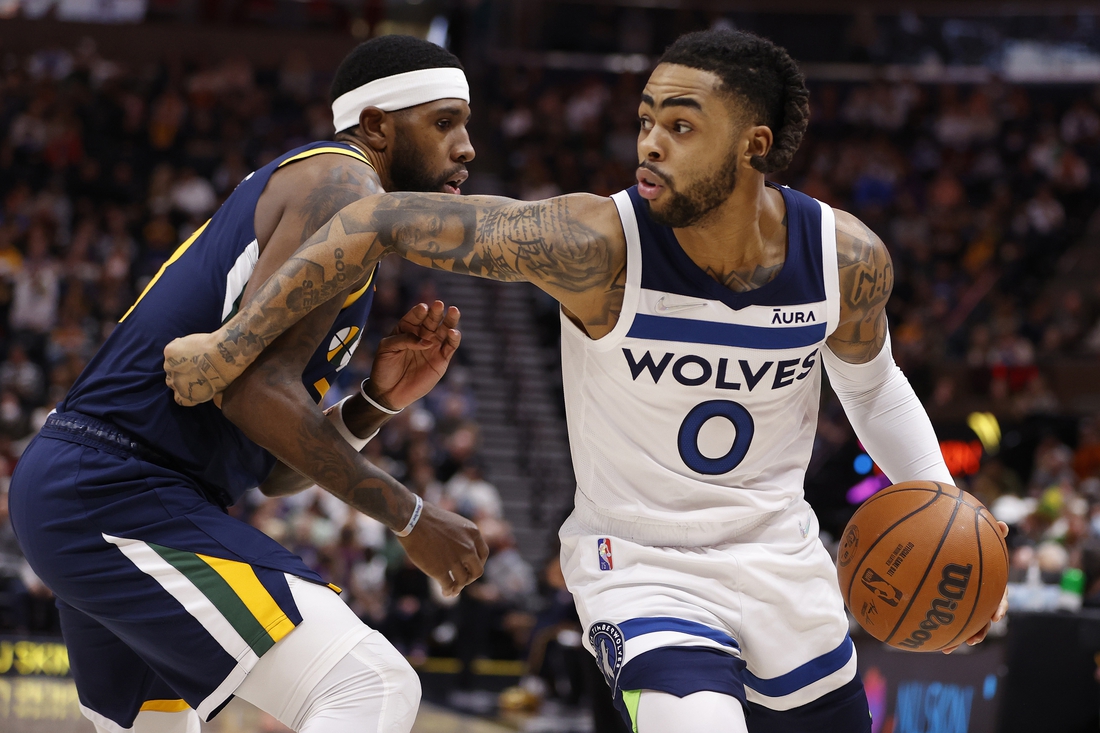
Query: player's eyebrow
[
  {"x": 453, "y": 111},
  {"x": 673, "y": 102}
]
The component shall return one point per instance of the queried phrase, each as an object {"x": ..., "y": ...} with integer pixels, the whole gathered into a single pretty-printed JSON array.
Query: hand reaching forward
[
  {"x": 446, "y": 547},
  {"x": 412, "y": 359},
  {"x": 1002, "y": 609}
]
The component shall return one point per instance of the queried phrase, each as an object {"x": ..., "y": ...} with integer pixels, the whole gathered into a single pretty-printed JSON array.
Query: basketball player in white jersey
[{"x": 698, "y": 309}]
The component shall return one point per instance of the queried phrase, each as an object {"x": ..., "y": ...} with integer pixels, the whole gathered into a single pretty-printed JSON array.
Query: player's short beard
[
  {"x": 684, "y": 208},
  {"x": 410, "y": 170}
]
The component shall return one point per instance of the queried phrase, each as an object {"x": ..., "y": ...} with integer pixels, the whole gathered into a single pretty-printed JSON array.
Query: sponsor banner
[
  {"x": 33, "y": 657},
  {"x": 933, "y": 693}
]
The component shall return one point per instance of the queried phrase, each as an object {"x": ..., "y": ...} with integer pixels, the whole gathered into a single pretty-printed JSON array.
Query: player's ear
[
  {"x": 377, "y": 128},
  {"x": 759, "y": 140}
]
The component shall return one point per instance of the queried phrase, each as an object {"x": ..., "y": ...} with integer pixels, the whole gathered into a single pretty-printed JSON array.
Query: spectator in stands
[{"x": 471, "y": 495}]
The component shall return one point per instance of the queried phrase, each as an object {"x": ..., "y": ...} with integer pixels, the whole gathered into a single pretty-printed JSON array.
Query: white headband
[{"x": 398, "y": 92}]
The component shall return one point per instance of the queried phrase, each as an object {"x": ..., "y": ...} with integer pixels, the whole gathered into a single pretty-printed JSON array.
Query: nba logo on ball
[
  {"x": 604, "y": 550},
  {"x": 607, "y": 644}
]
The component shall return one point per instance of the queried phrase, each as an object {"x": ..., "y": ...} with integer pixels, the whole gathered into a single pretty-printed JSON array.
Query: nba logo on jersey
[{"x": 604, "y": 549}]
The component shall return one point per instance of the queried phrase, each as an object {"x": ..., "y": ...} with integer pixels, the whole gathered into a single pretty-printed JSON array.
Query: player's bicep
[
  {"x": 866, "y": 282},
  {"x": 564, "y": 245}
]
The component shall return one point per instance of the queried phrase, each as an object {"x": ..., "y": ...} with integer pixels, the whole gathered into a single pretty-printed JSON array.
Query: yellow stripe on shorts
[
  {"x": 242, "y": 579},
  {"x": 165, "y": 706}
]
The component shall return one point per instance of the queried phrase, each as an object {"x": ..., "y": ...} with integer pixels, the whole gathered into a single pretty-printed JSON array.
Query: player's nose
[
  {"x": 464, "y": 151},
  {"x": 649, "y": 147}
]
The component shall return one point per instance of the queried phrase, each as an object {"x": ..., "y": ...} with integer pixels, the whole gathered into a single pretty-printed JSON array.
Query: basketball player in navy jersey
[
  {"x": 169, "y": 606},
  {"x": 697, "y": 311}
]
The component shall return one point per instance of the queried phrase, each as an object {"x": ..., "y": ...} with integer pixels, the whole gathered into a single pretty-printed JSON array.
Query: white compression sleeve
[
  {"x": 699, "y": 712},
  {"x": 887, "y": 416},
  {"x": 333, "y": 674}
]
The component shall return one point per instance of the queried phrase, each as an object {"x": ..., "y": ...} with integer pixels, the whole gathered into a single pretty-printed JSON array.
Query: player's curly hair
[
  {"x": 762, "y": 75},
  {"x": 385, "y": 56}
]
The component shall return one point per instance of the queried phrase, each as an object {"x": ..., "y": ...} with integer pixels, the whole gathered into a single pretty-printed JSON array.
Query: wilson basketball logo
[{"x": 952, "y": 589}]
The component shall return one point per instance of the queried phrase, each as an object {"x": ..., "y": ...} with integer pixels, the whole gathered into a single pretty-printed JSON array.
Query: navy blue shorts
[
  {"x": 682, "y": 671},
  {"x": 166, "y": 601}
]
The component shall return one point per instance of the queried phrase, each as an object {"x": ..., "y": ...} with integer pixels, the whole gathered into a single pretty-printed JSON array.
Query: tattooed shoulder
[
  {"x": 866, "y": 282},
  {"x": 342, "y": 182}
]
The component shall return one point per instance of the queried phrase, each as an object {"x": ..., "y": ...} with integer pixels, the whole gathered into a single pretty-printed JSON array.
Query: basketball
[{"x": 922, "y": 566}]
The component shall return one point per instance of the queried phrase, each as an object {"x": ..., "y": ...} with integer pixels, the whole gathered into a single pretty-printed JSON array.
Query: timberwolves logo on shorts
[
  {"x": 342, "y": 346},
  {"x": 607, "y": 642}
]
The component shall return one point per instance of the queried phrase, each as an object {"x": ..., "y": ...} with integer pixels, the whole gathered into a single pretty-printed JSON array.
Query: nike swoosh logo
[{"x": 662, "y": 307}]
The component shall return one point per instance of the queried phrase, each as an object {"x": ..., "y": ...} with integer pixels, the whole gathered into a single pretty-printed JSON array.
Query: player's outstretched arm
[{"x": 571, "y": 246}]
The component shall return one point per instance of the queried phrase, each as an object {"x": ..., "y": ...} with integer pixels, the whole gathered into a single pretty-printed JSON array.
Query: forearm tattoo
[
  {"x": 545, "y": 242},
  {"x": 866, "y": 281}
]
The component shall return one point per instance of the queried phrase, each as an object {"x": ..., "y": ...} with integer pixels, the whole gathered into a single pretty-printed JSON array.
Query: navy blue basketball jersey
[{"x": 196, "y": 291}]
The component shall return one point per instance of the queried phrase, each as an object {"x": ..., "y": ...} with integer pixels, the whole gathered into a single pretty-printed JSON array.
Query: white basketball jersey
[{"x": 694, "y": 418}]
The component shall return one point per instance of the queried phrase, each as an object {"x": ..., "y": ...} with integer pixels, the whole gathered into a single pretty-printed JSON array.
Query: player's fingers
[
  {"x": 461, "y": 577},
  {"x": 482, "y": 549},
  {"x": 450, "y": 345},
  {"x": 979, "y": 637},
  {"x": 433, "y": 318},
  {"x": 451, "y": 319},
  {"x": 948, "y": 650},
  {"x": 1004, "y": 529},
  {"x": 450, "y": 587},
  {"x": 411, "y": 321},
  {"x": 1002, "y": 608}
]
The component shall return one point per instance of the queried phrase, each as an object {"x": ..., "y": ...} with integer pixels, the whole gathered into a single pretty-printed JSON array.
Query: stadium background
[{"x": 967, "y": 134}]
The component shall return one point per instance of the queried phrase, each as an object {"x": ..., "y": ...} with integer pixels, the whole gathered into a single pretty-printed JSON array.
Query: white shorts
[{"x": 769, "y": 605}]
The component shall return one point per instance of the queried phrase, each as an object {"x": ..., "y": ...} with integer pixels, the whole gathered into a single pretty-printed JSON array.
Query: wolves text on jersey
[{"x": 692, "y": 370}]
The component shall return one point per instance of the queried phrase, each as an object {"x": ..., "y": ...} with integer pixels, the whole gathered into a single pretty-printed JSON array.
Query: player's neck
[
  {"x": 377, "y": 160},
  {"x": 745, "y": 231}
]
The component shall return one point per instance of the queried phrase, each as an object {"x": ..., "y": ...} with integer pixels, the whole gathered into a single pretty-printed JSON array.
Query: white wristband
[
  {"x": 373, "y": 403},
  {"x": 413, "y": 519},
  {"x": 335, "y": 415}
]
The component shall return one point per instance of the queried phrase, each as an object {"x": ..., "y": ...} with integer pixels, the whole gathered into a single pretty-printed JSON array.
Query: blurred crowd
[{"x": 978, "y": 191}]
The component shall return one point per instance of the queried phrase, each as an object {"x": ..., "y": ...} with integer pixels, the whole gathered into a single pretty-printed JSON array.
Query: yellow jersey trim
[
  {"x": 175, "y": 256},
  {"x": 360, "y": 292},
  {"x": 322, "y": 386},
  {"x": 335, "y": 588},
  {"x": 321, "y": 151},
  {"x": 165, "y": 706}
]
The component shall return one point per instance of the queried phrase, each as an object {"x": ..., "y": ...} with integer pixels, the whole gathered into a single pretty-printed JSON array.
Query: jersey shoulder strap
[{"x": 322, "y": 148}]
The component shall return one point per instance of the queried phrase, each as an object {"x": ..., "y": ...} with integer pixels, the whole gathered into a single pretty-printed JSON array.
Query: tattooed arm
[
  {"x": 866, "y": 281},
  {"x": 571, "y": 246},
  {"x": 271, "y": 406}
]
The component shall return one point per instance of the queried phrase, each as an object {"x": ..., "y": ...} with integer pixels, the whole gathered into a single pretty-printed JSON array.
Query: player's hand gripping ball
[{"x": 922, "y": 566}]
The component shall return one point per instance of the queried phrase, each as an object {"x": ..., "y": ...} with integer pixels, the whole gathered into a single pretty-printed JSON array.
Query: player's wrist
[
  {"x": 373, "y": 396},
  {"x": 414, "y": 519},
  {"x": 354, "y": 437}
]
